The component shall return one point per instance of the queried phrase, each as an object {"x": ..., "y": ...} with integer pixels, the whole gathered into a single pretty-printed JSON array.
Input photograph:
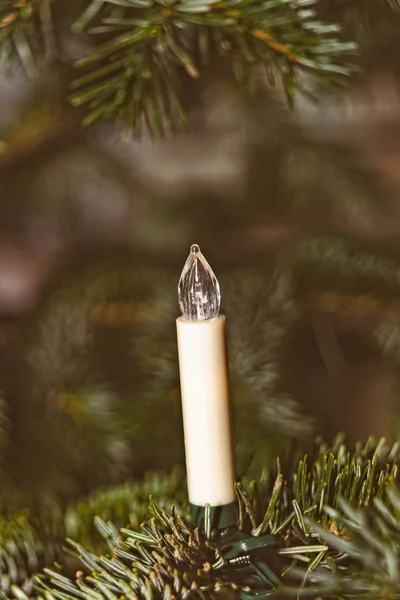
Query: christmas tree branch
[
  {"x": 337, "y": 515},
  {"x": 136, "y": 73},
  {"x": 22, "y": 24},
  {"x": 150, "y": 43}
]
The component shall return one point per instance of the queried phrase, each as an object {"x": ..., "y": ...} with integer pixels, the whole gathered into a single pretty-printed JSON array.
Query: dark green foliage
[
  {"x": 167, "y": 557},
  {"x": 144, "y": 53},
  {"x": 31, "y": 540},
  {"x": 148, "y": 45},
  {"x": 336, "y": 518},
  {"x": 136, "y": 74},
  {"x": 24, "y": 550},
  {"x": 19, "y": 25},
  {"x": 347, "y": 265},
  {"x": 335, "y": 474},
  {"x": 351, "y": 277},
  {"x": 125, "y": 504}
]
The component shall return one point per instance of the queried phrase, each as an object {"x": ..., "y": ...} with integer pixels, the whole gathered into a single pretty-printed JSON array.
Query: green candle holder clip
[{"x": 244, "y": 558}]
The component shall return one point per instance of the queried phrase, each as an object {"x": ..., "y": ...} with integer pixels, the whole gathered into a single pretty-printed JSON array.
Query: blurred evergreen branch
[
  {"x": 149, "y": 46},
  {"x": 114, "y": 331},
  {"x": 100, "y": 361},
  {"x": 29, "y": 541},
  {"x": 374, "y": 25},
  {"x": 394, "y": 5},
  {"x": 23, "y": 552},
  {"x": 309, "y": 181},
  {"x": 135, "y": 74},
  {"x": 149, "y": 50},
  {"x": 22, "y": 24},
  {"x": 371, "y": 540},
  {"x": 124, "y": 504},
  {"x": 347, "y": 275}
]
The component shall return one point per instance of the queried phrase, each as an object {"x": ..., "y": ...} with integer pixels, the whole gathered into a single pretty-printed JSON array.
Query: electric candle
[{"x": 203, "y": 366}]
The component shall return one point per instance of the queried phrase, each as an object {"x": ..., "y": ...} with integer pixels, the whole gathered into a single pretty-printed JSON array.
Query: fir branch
[
  {"x": 24, "y": 552},
  {"x": 148, "y": 49},
  {"x": 367, "y": 548},
  {"x": 31, "y": 540},
  {"x": 352, "y": 263},
  {"x": 350, "y": 278},
  {"x": 169, "y": 556},
  {"x": 150, "y": 43},
  {"x": 22, "y": 22},
  {"x": 334, "y": 473},
  {"x": 124, "y": 505},
  {"x": 394, "y": 5}
]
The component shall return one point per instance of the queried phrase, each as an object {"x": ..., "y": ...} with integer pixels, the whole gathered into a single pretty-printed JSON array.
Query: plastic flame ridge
[{"x": 198, "y": 288}]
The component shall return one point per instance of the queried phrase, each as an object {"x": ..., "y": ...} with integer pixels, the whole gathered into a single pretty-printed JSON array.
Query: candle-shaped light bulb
[
  {"x": 203, "y": 366},
  {"x": 198, "y": 288}
]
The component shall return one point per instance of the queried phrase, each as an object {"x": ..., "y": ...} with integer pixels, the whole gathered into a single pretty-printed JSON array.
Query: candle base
[
  {"x": 246, "y": 557},
  {"x": 216, "y": 519}
]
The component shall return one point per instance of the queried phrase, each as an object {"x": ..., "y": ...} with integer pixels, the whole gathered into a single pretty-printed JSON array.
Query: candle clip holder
[{"x": 244, "y": 558}]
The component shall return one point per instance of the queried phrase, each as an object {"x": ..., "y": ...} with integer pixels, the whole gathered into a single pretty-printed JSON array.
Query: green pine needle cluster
[
  {"x": 335, "y": 516},
  {"x": 150, "y": 42},
  {"x": 32, "y": 539},
  {"x": 142, "y": 56},
  {"x": 25, "y": 31},
  {"x": 124, "y": 504},
  {"x": 136, "y": 72},
  {"x": 24, "y": 550}
]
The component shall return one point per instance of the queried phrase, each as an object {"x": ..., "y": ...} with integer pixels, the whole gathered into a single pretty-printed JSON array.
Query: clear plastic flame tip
[{"x": 198, "y": 288}]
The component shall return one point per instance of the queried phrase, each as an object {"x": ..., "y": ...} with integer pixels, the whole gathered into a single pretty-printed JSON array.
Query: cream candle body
[
  {"x": 203, "y": 366},
  {"x": 206, "y": 411}
]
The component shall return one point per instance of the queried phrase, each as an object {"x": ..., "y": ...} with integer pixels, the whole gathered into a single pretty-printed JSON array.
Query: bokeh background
[{"x": 298, "y": 213}]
